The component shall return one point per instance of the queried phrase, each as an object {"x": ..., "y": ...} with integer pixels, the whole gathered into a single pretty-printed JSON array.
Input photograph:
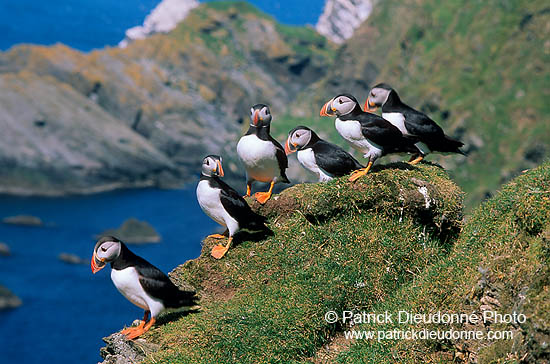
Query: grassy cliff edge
[{"x": 393, "y": 240}]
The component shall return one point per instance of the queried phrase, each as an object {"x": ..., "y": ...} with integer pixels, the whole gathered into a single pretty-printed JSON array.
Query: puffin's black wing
[
  {"x": 158, "y": 285},
  {"x": 379, "y": 130},
  {"x": 237, "y": 207},
  {"x": 429, "y": 132},
  {"x": 282, "y": 160},
  {"x": 333, "y": 159},
  {"x": 421, "y": 125}
]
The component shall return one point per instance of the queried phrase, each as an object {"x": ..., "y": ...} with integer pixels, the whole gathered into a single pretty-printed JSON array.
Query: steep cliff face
[
  {"x": 146, "y": 114},
  {"x": 340, "y": 18},
  {"x": 164, "y": 18},
  {"x": 477, "y": 69}
]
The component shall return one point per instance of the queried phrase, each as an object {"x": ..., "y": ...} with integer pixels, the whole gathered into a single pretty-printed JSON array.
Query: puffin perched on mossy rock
[
  {"x": 263, "y": 157},
  {"x": 224, "y": 205},
  {"x": 411, "y": 123},
  {"x": 324, "y": 159},
  {"x": 140, "y": 282},
  {"x": 368, "y": 133}
]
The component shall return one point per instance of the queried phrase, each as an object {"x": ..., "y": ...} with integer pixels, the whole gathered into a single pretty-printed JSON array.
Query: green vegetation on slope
[
  {"x": 335, "y": 246},
  {"x": 500, "y": 262},
  {"x": 392, "y": 241}
]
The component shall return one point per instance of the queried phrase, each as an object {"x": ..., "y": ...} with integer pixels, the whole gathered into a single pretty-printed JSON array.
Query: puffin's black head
[
  {"x": 342, "y": 104},
  {"x": 212, "y": 166},
  {"x": 106, "y": 250},
  {"x": 260, "y": 115},
  {"x": 298, "y": 138},
  {"x": 378, "y": 96}
]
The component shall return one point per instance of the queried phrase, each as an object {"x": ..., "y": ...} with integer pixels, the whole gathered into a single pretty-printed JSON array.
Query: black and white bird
[
  {"x": 224, "y": 205},
  {"x": 263, "y": 157},
  {"x": 368, "y": 133},
  {"x": 140, "y": 282},
  {"x": 324, "y": 159},
  {"x": 411, "y": 123}
]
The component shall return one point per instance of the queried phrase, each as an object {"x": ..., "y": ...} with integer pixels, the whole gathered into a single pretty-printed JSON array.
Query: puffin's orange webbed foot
[
  {"x": 219, "y": 250},
  {"x": 416, "y": 161},
  {"x": 128, "y": 330},
  {"x": 262, "y": 197},
  {"x": 359, "y": 173},
  {"x": 216, "y": 236},
  {"x": 138, "y": 331}
]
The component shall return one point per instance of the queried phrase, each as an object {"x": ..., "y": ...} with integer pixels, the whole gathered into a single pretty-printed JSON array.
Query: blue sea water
[
  {"x": 92, "y": 24},
  {"x": 66, "y": 309}
]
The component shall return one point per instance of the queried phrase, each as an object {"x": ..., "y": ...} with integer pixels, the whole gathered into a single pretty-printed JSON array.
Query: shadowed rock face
[{"x": 146, "y": 115}]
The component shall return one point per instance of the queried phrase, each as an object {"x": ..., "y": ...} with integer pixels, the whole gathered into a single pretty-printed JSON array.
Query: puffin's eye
[
  {"x": 103, "y": 249},
  {"x": 372, "y": 94},
  {"x": 340, "y": 101},
  {"x": 207, "y": 162}
]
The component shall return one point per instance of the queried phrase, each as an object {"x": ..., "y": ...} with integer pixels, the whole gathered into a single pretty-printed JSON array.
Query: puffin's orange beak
[
  {"x": 288, "y": 149},
  {"x": 370, "y": 106},
  {"x": 326, "y": 110},
  {"x": 96, "y": 264},
  {"x": 256, "y": 117},
  {"x": 220, "y": 169}
]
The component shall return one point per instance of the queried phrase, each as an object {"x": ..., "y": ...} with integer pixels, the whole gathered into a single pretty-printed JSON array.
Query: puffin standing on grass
[
  {"x": 325, "y": 159},
  {"x": 368, "y": 133},
  {"x": 263, "y": 157},
  {"x": 224, "y": 205},
  {"x": 140, "y": 282},
  {"x": 411, "y": 123}
]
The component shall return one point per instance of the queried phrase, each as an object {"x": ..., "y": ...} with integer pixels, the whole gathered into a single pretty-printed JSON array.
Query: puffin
[
  {"x": 368, "y": 133},
  {"x": 324, "y": 159},
  {"x": 411, "y": 123},
  {"x": 263, "y": 157},
  {"x": 140, "y": 282},
  {"x": 224, "y": 205}
]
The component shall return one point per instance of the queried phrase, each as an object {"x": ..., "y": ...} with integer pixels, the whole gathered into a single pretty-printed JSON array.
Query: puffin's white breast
[
  {"x": 210, "y": 203},
  {"x": 398, "y": 120},
  {"x": 350, "y": 130},
  {"x": 306, "y": 157},
  {"x": 259, "y": 157},
  {"x": 127, "y": 283}
]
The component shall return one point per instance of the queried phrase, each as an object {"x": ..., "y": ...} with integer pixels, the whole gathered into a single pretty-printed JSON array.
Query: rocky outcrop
[
  {"x": 8, "y": 299},
  {"x": 23, "y": 220},
  {"x": 72, "y": 259},
  {"x": 134, "y": 231},
  {"x": 118, "y": 350},
  {"x": 147, "y": 114},
  {"x": 340, "y": 18},
  {"x": 162, "y": 19},
  {"x": 4, "y": 250}
]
